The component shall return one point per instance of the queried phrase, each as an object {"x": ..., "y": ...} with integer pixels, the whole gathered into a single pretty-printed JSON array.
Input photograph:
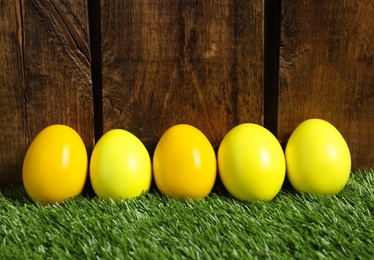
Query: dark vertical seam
[
  {"x": 272, "y": 29},
  {"x": 22, "y": 50}
]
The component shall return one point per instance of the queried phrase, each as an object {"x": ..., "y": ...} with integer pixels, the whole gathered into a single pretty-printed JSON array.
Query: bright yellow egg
[
  {"x": 120, "y": 166},
  {"x": 55, "y": 165},
  {"x": 184, "y": 163},
  {"x": 318, "y": 158},
  {"x": 251, "y": 163}
]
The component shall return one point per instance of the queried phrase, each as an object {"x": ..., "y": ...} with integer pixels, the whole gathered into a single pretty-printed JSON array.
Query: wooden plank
[
  {"x": 12, "y": 124},
  {"x": 48, "y": 76},
  {"x": 168, "y": 62},
  {"x": 327, "y": 70}
]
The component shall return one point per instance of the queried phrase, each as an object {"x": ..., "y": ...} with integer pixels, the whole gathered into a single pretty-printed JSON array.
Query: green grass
[{"x": 293, "y": 225}]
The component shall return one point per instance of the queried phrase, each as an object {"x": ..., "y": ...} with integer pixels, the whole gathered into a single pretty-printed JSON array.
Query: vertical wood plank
[
  {"x": 168, "y": 62},
  {"x": 327, "y": 70},
  {"x": 48, "y": 79},
  {"x": 13, "y": 133},
  {"x": 57, "y": 66}
]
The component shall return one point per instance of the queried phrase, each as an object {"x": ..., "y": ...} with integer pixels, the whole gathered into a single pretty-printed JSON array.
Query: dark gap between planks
[
  {"x": 94, "y": 16},
  {"x": 272, "y": 25}
]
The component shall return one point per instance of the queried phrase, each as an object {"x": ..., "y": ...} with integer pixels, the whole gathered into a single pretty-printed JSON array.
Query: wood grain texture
[
  {"x": 46, "y": 76},
  {"x": 168, "y": 62},
  {"x": 327, "y": 70},
  {"x": 13, "y": 132}
]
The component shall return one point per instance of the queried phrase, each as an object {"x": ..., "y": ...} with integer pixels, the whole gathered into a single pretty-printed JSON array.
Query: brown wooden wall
[
  {"x": 45, "y": 76},
  {"x": 147, "y": 65},
  {"x": 195, "y": 62},
  {"x": 327, "y": 70}
]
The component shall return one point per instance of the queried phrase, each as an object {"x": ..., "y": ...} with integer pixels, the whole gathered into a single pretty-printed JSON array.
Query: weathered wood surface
[
  {"x": 45, "y": 76},
  {"x": 327, "y": 70},
  {"x": 12, "y": 120},
  {"x": 168, "y": 62}
]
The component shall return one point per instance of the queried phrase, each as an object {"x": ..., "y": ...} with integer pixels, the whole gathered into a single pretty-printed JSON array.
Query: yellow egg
[
  {"x": 184, "y": 163},
  {"x": 55, "y": 165},
  {"x": 120, "y": 166},
  {"x": 318, "y": 158},
  {"x": 251, "y": 163}
]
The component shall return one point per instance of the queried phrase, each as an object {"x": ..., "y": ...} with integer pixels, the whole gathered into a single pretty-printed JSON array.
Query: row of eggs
[{"x": 250, "y": 162}]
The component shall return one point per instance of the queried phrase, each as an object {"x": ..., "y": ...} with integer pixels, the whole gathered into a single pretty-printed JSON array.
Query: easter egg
[
  {"x": 318, "y": 158},
  {"x": 55, "y": 165},
  {"x": 251, "y": 163},
  {"x": 120, "y": 166},
  {"x": 184, "y": 163}
]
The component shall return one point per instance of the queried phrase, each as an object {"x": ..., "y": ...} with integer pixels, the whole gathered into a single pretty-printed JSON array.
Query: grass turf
[{"x": 293, "y": 225}]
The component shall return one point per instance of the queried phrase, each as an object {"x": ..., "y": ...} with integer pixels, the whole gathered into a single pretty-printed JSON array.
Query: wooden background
[
  {"x": 146, "y": 65},
  {"x": 327, "y": 70},
  {"x": 45, "y": 76}
]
